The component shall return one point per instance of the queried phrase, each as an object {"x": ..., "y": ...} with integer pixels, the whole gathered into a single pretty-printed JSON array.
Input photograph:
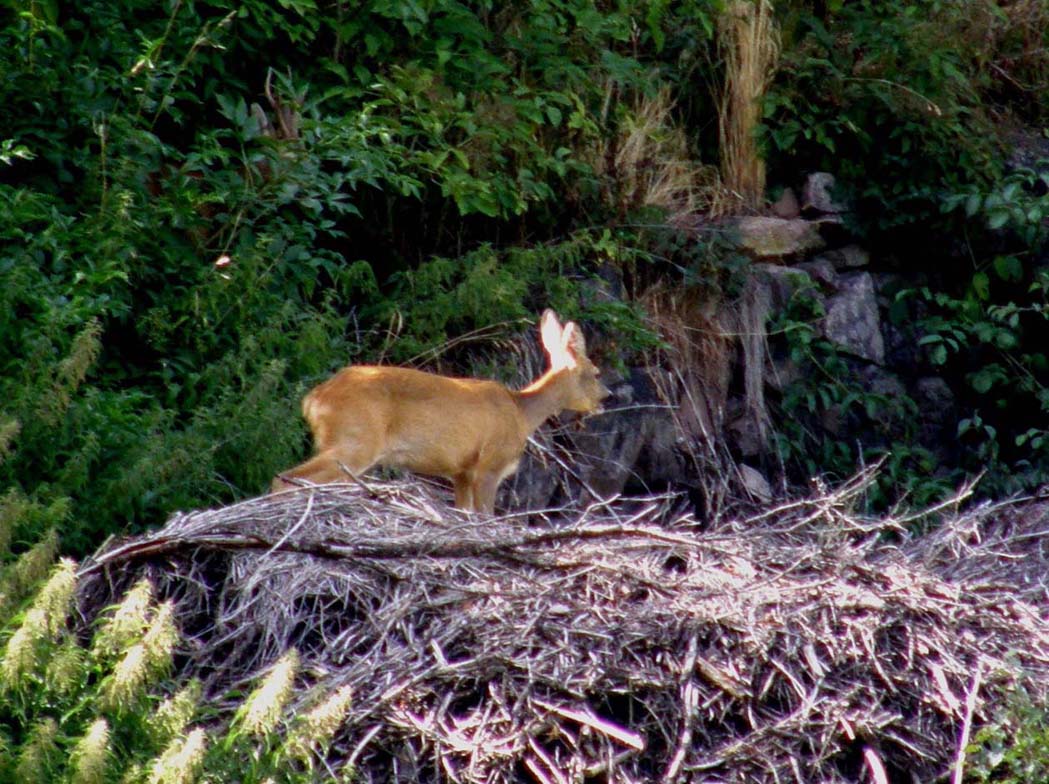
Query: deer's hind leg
[
  {"x": 335, "y": 464},
  {"x": 464, "y": 491}
]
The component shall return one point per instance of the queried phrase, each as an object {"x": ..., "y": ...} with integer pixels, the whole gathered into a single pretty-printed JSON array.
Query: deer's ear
[
  {"x": 572, "y": 339},
  {"x": 569, "y": 348},
  {"x": 550, "y": 331}
]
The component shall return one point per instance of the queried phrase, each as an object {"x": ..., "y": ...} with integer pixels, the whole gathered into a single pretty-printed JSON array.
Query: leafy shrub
[
  {"x": 886, "y": 95},
  {"x": 990, "y": 334},
  {"x": 108, "y": 710},
  {"x": 832, "y": 421},
  {"x": 1014, "y": 749},
  {"x": 896, "y": 99},
  {"x": 197, "y": 223}
]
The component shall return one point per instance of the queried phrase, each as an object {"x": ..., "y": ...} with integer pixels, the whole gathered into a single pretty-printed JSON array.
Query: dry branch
[{"x": 807, "y": 643}]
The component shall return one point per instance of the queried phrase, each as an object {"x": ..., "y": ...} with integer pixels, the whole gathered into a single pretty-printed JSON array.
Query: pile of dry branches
[{"x": 628, "y": 644}]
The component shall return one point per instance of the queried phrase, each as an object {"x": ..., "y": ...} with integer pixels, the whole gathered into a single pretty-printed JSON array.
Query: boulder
[
  {"x": 639, "y": 440},
  {"x": 852, "y": 320},
  {"x": 635, "y": 446},
  {"x": 848, "y": 257},
  {"x": 745, "y": 432},
  {"x": 755, "y": 483},
  {"x": 820, "y": 270},
  {"x": 817, "y": 196},
  {"x": 781, "y": 282},
  {"x": 765, "y": 237},
  {"x": 879, "y": 381},
  {"x": 1028, "y": 150},
  {"x": 787, "y": 206},
  {"x": 936, "y": 402}
]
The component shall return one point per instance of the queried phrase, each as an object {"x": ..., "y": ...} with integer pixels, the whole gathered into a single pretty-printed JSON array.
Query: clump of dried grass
[
  {"x": 749, "y": 40},
  {"x": 710, "y": 340},
  {"x": 650, "y": 164},
  {"x": 701, "y": 353},
  {"x": 626, "y": 641}
]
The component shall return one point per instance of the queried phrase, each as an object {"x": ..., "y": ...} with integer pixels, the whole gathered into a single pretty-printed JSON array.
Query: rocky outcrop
[
  {"x": 817, "y": 197},
  {"x": 641, "y": 445},
  {"x": 853, "y": 322},
  {"x": 636, "y": 446},
  {"x": 766, "y": 237}
]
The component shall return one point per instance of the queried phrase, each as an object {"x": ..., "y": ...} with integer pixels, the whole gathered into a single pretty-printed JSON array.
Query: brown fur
[{"x": 471, "y": 431}]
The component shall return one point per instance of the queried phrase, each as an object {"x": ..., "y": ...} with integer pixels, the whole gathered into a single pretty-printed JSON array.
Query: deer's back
[{"x": 421, "y": 421}]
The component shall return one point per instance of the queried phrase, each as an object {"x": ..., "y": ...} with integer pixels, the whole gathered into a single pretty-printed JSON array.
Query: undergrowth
[{"x": 107, "y": 706}]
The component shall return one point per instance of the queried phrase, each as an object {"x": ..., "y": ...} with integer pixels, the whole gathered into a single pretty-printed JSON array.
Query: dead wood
[{"x": 623, "y": 642}]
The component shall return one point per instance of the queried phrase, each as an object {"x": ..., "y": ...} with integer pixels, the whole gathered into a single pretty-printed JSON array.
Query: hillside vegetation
[{"x": 206, "y": 207}]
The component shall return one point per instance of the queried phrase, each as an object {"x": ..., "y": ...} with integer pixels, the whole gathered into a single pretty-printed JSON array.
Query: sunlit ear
[
  {"x": 567, "y": 352},
  {"x": 551, "y": 333},
  {"x": 572, "y": 339}
]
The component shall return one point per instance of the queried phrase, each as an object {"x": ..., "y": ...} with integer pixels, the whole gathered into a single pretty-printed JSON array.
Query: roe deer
[{"x": 468, "y": 430}]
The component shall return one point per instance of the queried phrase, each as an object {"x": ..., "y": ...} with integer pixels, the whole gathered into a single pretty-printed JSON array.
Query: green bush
[
  {"x": 900, "y": 101},
  {"x": 109, "y": 709},
  {"x": 989, "y": 334},
  {"x": 830, "y": 422},
  {"x": 885, "y": 94},
  {"x": 197, "y": 223},
  {"x": 1013, "y": 749}
]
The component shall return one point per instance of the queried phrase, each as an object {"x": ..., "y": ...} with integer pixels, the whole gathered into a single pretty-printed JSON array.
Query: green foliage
[
  {"x": 1014, "y": 749},
  {"x": 109, "y": 711},
  {"x": 445, "y": 299},
  {"x": 991, "y": 334},
  {"x": 833, "y": 421},
  {"x": 999, "y": 351},
  {"x": 896, "y": 98},
  {"x": 1012, "y": 203},
  {"x": 197, "y": 222},
  {"x": 885, "y": 94}
]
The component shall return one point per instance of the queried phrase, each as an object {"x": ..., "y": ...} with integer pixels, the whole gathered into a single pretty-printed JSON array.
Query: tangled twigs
[{"x": 807, "y": 643}]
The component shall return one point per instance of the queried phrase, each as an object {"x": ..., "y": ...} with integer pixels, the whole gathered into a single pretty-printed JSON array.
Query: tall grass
[{"x": 749, "y": 41}]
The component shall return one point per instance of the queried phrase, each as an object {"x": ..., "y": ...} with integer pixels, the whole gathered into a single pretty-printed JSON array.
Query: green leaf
[
  {"x": 998, "y": 218},
  {"x": 1009, "y": 268},
  {"x": 1006, "y": 339},
  {"x": 981, "y": 286},
  {"x": 972, "y": 204}
]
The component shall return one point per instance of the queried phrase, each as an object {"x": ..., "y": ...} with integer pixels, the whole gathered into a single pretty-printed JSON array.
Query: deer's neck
[{"x": 543, "y": 398}]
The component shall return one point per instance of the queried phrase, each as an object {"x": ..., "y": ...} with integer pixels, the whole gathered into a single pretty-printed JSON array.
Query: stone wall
[{"x": 662, "y": 423}]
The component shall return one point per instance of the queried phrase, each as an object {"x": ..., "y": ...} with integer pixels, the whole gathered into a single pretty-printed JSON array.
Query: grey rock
[
  {"x": 852, "y": 320},
  {"x": 817, "y": 198},
  {"x": 781, "y": 282},
  {"x": 783, "y": 372},
  {"x": 636, "y": 444},
  {"x": 820, "y": 269},
  {"x": 849, "y": 257},
  {"x": 755, "y": 483},
  {"x": 936, "y": 402},
  {"x": 767, "y": 237},
  {"x": 787, "y": 206}
]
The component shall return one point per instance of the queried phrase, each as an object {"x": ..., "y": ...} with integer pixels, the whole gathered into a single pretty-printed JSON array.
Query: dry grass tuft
[
  {"x": 750, "y": 42},
  {"x": 702, "y": 352},
  {"x": 651, "y": 166},
  {"x": 709, "y": 341},
  {"x": 806, "y": 642}
]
